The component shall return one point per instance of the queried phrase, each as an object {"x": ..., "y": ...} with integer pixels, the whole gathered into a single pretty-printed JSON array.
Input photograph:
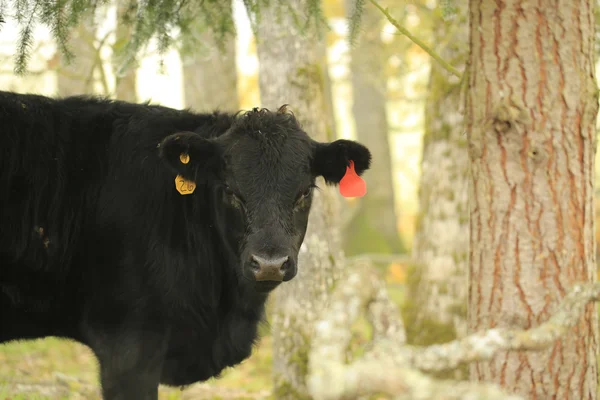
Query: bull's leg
[{"x": 130, "y": 363}]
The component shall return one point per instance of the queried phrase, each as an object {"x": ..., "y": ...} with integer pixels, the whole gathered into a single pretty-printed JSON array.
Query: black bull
[{"x": 151, "y": 235}]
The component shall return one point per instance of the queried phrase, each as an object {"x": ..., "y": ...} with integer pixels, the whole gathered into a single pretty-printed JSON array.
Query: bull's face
[{"x": 262, "y": 173}]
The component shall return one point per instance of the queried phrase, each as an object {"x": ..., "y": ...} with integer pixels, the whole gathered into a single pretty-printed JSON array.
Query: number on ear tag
[{"x": 184, "y": 186}]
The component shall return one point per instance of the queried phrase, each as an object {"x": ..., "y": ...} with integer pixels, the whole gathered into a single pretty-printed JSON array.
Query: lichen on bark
[
  {"x": 434, "y": 310},
  {"x": 292, "y": 71},
  {"x": 389, "y": 366},
  {"x": 531, "y": 106}
]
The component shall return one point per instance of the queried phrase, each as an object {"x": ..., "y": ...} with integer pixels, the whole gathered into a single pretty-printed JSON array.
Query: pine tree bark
[
  {"x": 436, "y": 301},
  {"x": 291, "y": 72},
  {"x": 374, "y": 228},
  {"x": 210, "y": 74},
  {"x": 531, "y": 109}
]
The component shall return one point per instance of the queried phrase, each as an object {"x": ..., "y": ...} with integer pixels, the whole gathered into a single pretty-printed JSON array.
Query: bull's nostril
[
  {"x": 254, "y": 265},
  {"x": 284, "y": 261},
  {"x": 268, "y": 268},
  {"x": 269, "y": 263}
]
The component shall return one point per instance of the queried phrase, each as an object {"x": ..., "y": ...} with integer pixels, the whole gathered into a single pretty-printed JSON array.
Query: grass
[
  {"x": 59, "y": 369},
  {"x": 53, "y": 369},
  {"x": 56, "y": 369}
]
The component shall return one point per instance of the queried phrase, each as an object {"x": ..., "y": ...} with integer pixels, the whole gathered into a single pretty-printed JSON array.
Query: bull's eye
[
  {"x": 307, "y": 192},
  {"x": 301, "y": 199}
]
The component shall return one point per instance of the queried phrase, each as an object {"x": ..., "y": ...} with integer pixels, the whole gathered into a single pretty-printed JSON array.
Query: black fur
[{"x": 96, "y": 244}]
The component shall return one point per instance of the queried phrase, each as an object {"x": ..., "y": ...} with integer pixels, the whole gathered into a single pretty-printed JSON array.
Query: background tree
[
  {"x": 374, "y": 228},
  {"x": 531, "y": 106},
  {"x": 146, "y": 21},
  {"x": 435, "y": 304},
  {"x": 291, "y": 68},
  {"x": 76, "y": 76},
  {"x": 125, "y": 80},
  {"x": 87, "y": 68},
  {"x": 209, "y": 66}
]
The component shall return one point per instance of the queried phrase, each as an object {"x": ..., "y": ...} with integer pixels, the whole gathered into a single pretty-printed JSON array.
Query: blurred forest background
[{"x": 384, "y": 91}]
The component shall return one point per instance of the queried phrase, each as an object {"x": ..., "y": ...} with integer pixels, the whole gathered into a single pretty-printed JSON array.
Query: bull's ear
[
  {"x": 191, "y": 156},
  {"x": 331, "y": 159}
]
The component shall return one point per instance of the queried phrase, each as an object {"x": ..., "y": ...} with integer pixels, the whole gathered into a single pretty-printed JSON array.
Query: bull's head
[{"x": 263, "y": 172}]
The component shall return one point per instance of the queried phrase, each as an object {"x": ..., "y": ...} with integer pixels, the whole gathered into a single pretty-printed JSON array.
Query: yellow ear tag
[
  {"x": 184, "y": 186},
  {"x": 184, "y": 158}
]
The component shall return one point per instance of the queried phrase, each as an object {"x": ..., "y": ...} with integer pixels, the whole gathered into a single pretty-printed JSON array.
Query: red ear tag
[{"x": 351, "y": 184}]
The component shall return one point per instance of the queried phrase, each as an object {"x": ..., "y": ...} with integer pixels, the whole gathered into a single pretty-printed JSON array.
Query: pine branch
[
  {"x": 483, "y": 346},
  {"x": 355, "y": 20},
  {"x": 417, "y": 41},
  {"x": 316, "y": 12},
  {"x": 53, "y": 15},
  {"x": 2, "y": 13},
  {"x": 22, "y": 11},
  {"x": 253, "y": 12},
  {"x": 149, "y": 19},
  {"x": 25, "y": 43},
  {"x": 391, "y": 367}
]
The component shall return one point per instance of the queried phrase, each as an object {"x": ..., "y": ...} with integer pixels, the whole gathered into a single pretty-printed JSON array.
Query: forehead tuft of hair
[{"x": 262, "y": 123}]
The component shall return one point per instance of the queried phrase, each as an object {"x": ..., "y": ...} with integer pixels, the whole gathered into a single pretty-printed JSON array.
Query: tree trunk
[
  {"x": 126, "y": 84},
  {"x": 328, "y": 93},
  {"x": 78, "y": 77},
  {"x": 374, "y": 228},
  {"x": 436, "y": 301},
  {"x": 531, "y": 109},
  {"x": 210, "y": 74},
  {"x": 291, "y": 71}
]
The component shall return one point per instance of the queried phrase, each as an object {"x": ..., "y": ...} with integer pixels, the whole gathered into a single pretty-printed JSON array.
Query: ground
[
  {"x": 63, "y": 370},
  {"x": 55, "y": 369}
]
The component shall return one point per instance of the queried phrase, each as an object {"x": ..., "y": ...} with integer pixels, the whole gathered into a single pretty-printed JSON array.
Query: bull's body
[{"x": 97, "y": 245}]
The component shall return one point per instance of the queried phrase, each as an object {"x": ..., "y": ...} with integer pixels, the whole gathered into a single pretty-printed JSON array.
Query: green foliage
[
  {"x": 154, "y": 19},
  {"x": 48, "y": 12},
  {"x": 149, "y": 19},
  {"x": 53, "y": 15}
]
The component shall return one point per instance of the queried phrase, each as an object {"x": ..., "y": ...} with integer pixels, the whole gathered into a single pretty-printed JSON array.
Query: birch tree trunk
[
  {"x": 210, "y": 73},
  {"x": 436, "y": 301},
  {"x": 291, "y": 71},
  {"x": 531, "y": 109},
  {"x": 375, "y": 226}
]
